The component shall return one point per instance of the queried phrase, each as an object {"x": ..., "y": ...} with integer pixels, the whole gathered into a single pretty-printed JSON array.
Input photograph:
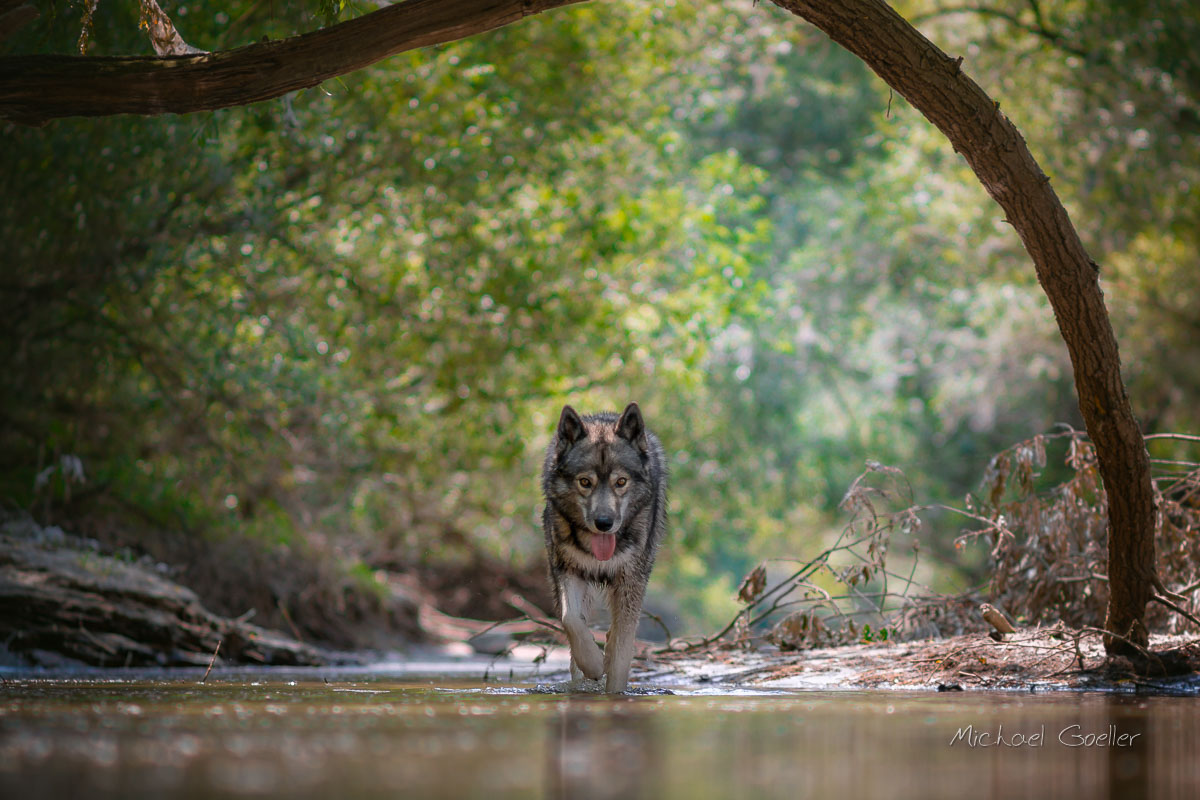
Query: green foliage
[
  {"x": 345, "y": 321},
  {"x": 1119, "y": 132},
  {"x": 869, "y": 635}
]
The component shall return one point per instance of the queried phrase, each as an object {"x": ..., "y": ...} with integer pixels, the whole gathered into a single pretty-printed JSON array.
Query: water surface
[{"x": 260, "y": 735}]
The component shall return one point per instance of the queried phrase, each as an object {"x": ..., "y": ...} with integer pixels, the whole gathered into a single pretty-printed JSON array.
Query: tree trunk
[{"x": 935, "y": 84}]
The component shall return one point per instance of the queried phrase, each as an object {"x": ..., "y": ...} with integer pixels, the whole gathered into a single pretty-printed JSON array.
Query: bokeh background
[{"x": 309, "y": 352}]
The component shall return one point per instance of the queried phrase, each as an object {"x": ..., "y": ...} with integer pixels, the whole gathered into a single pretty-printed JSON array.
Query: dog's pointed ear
[
  {"x": 570, "y": 429},
  {"x": 632, "y": 428}
]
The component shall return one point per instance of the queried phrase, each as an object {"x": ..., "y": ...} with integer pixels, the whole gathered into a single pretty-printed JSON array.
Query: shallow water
[{"x": 279, "y": 735}]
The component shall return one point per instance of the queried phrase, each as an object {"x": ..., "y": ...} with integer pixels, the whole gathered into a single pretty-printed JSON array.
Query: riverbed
[{"x": 298, "y": 734}]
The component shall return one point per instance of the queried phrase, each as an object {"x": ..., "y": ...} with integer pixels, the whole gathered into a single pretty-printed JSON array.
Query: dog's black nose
[{"x": 604, "y": 523}]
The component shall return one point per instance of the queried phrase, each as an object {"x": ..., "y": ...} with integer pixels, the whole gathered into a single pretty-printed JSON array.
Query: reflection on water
[
  {"x": 378, "y": 738},
  {"x": 617, "y": 753}
]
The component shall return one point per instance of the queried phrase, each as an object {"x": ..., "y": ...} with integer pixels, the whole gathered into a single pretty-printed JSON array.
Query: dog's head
[{"x": 599, "y": 479}]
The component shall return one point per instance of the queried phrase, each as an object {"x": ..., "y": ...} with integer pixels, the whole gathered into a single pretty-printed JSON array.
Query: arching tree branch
[
  {"x": 37, "y": 89},
  {"x": 937, "y": 87}
]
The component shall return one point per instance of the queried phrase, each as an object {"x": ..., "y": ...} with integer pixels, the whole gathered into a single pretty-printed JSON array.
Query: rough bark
[
  {"x": 937, "y": 87},
  {"x": 37, "y": 89}
]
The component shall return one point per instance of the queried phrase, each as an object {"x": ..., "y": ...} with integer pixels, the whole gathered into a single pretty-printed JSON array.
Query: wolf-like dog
[{"x": 605, "y": 482}]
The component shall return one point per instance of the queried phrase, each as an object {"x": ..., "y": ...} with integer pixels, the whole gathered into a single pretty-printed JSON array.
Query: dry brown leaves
[{"x": 1047, "y": 545}]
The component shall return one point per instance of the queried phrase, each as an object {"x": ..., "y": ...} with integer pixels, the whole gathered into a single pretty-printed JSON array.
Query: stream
[{"x": 350, "y": 734}]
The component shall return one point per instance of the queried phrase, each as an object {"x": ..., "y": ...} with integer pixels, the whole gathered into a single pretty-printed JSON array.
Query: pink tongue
[{"x": 604, "y": 545}]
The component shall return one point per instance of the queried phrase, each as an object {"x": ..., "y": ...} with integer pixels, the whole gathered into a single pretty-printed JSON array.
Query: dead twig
[
  {"x": 656, "y": 618},
  {"x": 534, "y": 614},
  {"x": 288, "y": 619},
  {"x": 1147, "y": 654},
  {"x": 1158, "y": 598},
  {"x": 212, "y": 660}
]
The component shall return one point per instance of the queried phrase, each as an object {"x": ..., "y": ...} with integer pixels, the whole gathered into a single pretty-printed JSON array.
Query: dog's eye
[
  {"x": 586, "y": 483},
  {"x": 620, "y": 482}
]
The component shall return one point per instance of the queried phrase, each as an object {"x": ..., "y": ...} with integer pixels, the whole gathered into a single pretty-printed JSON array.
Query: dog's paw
[
  {"x": 615, "y": 686},
  {"x": 590, "y": 662}
]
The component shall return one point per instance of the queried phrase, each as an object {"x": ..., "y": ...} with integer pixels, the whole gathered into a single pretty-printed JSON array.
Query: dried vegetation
[{"x": 1046, "y": 549}]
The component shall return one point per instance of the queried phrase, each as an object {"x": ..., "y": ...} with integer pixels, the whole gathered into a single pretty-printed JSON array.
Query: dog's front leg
[
  {"x": 626, "y": 604},
  {"x": 585, "y": 655}
]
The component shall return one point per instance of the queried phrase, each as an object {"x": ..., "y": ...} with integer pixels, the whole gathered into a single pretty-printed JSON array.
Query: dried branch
[
  {"x": 212, "y": 660},
  {"x": 165, "y": 40},
  {"x": 1158, "y": 598},
  {"x": 657, "y": 619},
  {"x": 1183, "y": 437}
]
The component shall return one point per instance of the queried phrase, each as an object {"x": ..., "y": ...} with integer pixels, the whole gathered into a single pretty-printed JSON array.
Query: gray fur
[{"x": 603, "y": 449}]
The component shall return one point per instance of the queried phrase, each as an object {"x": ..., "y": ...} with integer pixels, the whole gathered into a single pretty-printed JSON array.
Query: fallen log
[{"x": 65, "y": 604}]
